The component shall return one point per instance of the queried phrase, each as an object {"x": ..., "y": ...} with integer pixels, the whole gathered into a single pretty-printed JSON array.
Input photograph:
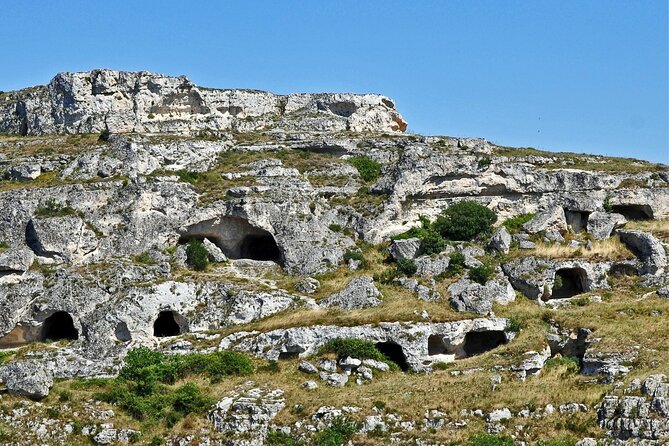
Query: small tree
[
  {"x": 465, "y": 220},
  {"x": 368, "y": 168},
  {"x": 481, "y": 274},
  {"x": 407, "y": 266},
  {"x": 197, "y": 256}
]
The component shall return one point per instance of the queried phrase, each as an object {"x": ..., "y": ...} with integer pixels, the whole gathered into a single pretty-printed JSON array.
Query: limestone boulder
[
  {"x": 27, "y": 378},
  {"x": 648, "y": 248},
  {"x": 602, "y": 224},
  {"x": 359, "y": 293}
]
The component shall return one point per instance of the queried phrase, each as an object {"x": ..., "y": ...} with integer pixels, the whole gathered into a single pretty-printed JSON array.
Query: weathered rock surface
[
  {"x": 359, "y": 293},
  {"x": 26, "y": 378},
  {"x": 123, "y": 102},
  {"x": 467, "y": 295},
  {"x": 501, "y": 240},
  {"x": 648, "y": 248},
  {"x": 602, "y": 224}
]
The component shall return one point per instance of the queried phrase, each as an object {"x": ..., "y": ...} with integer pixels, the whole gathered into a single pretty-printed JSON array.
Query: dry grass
[
  {"x": 659, "y": 228},
  {"x": 609, "y": 249}
]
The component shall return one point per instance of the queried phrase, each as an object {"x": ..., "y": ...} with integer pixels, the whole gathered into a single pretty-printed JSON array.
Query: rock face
[
  {"x": 467, "y": 295},
  {"x": 122, "y": 102},
  {"x": 649, "y": 249},
  {"x": 641, "y": 415},
  {"x": 359, "y": 293},
  {"x": 415, "y": 345},
  {"x": 27, "y": 378},
  {"x": 602, "y": 224}
]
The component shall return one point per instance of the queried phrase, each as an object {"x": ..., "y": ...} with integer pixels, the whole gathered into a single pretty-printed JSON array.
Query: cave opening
[
  {"x": 58, "y": 326},
  {"x": 436, "y": 346},
  {"x": 168, "y": 324},
  {"x": 634, "y": 211},
  {"x": 260, "y": 247},
  {"x": 577, "y": 220},
  {"x": 477, "y": 342},
  {"x": 568, "y": 282},
  {"x": 288, "y": 355},
  {"x": 121, "y": 332},
  {"x": 237, "y": 238},
  {"x": 394, "y": 352}
]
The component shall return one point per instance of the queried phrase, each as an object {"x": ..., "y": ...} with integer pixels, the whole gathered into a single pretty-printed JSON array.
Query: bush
[
  {"x": 197, "y": 256},
  {"x": 368, "y": 169},
  {"x": 571, "y": 364},
  {"x": 104, "y": 135},
  {"x": 190, "y": 399},
  {"x": 489, "y": 440},
  {"x": 189, "y": 176},
  {"x": 515, "y": 224},
  {"x": 334, "y": 227},
  {"x": 481, "y": 274},
  {"x": 407, "y": 266},
  {"x": 338, "y": 433},
  {"x": 353, "y": 255},
  {"x": 432, "y": 242},
  {"x": 356, "y": 348},
  {"x": 465, "y": 220},
  {"x": 141, "y": 390},
  {"x": 558, "y": 442}
]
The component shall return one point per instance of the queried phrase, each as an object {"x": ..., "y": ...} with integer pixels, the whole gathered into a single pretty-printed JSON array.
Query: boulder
[
  {"x": 359, "y": 293},
  {"x": 60, "y": 239},
  {"x": 405, "y": 248},
  {"x": 307, "y": 285},
  {"x": 16, "y": 260},
  {"x": 602, "y": 224},
  {"x": 215, "y": 253},
  {"x": 501, "y": 241},
  {"x": 550, "y": 219},
  {"x": 27, "y": 378},
  {"x": 467, "y": 295},
  {"x": 24, "y": 172},
  {"x": 432, "y": 265},
  {"x": 648, "y": 248}
]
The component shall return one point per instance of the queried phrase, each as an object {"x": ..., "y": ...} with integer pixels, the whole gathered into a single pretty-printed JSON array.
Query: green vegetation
[
  {"x": 490, "y": 440},
  {"x": 52, "y": 208},
  {"x": 189, "y": 176},
  {"x": 338, "y": 433},
  {"x": 570, "y": 364},
  {"x": 278, "y": 438},
  {"x": 465, "y": 220},
  {"x": 407, "y": 267},
  {"x": 481, "y": 274},
  {"x": 355, "y": 348},
  {"x": 197, "y": 256},
  {"x": 144, "y": 388},
  {"x": 515, "y": 224},
  {"x": 104, "y": 135},
  {"x": 484, "y": 162},
  {"x": 368, "y": 169},
  {"x": 4, "y": 246},
  {"x": 144, "y": 259},
  {"x": 334, "y": 227},
  {"x": 356, "y": 256}
]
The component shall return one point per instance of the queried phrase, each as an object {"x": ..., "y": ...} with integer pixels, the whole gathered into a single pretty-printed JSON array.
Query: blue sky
[{"x": 584, "y": 76}]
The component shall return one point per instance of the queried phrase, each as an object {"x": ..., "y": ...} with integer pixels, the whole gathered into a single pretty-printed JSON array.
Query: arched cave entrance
[
  {"x": 477, "y": 342},
  {"x": 394, "y": 352},
  {"x": 569, "y": 282},
  {"x": 58, "y": 326},
  {"x": 634, "y": 211},
  {"x": 237, "y": 238},
  {"x": 283, "y": 356},
  {"x": 169, "y": 323}
]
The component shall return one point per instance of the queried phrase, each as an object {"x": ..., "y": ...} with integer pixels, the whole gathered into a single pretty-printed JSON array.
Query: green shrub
[
  {"x": 338, "y": 433},
  {"x": 353, "y": 255},
  {"x": 227, "y": 363},
  {"x": 432, "y": 242},
  {"x": 156, "y": 441},
  {"x": 189, "y": 176},
  {"x": 64, "y": 396},
  {"x": 515, "y": 224},
  {"x": 356, "y": 348},
  {"x": 407, "y": 266},
  {"x": 4, "y": 356},
  {"x": 489, "y": 440},
  {"x": 465, "y": 220},
  {"x": 484, "y": 162},
  {"x": 104, "y": 135},
  {"x": 4, "y": 246},
  {"x": 197, "y": 256},
  {"x": 190, "y": 399},
  {"x": 558, "y": 442},
  {"x": 481, "y": 274},
  {"x": 334, "y": 227},
  {"x": 144, "y": 259},
  {"x": 515, "y": 325},
  {"x": 368, "y": 169},
  {"x": 456, "y": 259}
]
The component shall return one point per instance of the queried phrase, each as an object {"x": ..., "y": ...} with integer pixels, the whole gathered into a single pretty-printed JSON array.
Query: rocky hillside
[{"x": 188, "y": 266}]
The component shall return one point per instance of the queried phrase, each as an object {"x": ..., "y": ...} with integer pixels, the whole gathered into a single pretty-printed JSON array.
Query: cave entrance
[
  {"x": 578, "y": 220},
  {"x": 260, "y": 247},
  {"x": 283, "y": 356},
  {"x": 569, "y": 282},
  {"x": 237, "y": 238},
  {"x": 58, "y": 326},
  {"x": 122, "y": 333},
  {"x": 169, "y": 323},
  {"x": 634, "y": 211},
  {"x": 477, "y": 342},
  {"x": 394, "y": 352},
  {"x": 436, "y": 346}
]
